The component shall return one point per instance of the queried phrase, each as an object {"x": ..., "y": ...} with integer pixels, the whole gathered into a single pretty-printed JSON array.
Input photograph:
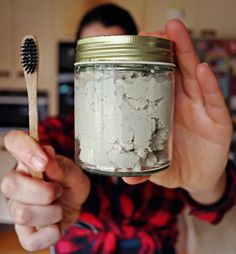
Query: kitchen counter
[{"x": 10, "y": 244}]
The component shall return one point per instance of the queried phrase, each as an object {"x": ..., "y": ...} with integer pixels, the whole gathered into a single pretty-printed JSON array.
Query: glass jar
[{"x": 124, "y": 104}]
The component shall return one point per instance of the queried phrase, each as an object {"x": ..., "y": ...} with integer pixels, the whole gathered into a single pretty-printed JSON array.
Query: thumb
[
  {"x": 213, "y": 98},
  {"x": 135, "y": 179},
  {"x": 160, "y": 34},
  {"x": 53, "y": 172},
  {"x": 63, "y": 170}
]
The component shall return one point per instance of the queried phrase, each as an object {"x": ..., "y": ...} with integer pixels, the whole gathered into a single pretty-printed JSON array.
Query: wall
[
  {"x": 219, "y": 15},
  {"x": 58, "y": 21},
  {"x": 152, "y": 14},
  {"x": 67, "y": 14}
]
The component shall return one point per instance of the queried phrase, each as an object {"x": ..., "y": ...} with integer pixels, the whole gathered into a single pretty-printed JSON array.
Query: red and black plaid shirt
[{"x": 126, "y": 219}]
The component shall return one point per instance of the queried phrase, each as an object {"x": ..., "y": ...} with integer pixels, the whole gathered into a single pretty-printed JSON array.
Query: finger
[
  {"x": 178, "y": 83},
  {"x": 32, "y": 240},
  {"x": 64, "y": 171},
  {"x": 187, "y": 59},
  {"x": 35, "y": 216},
  {"x": 186, "y": 56},
  {"x": 160, "y": 34},
  {"x": 135, "y": 180},
  {"x": 28, "y": 190},
  {"x": 213, "y": 98},
  {"x": 26, "y": 150}
]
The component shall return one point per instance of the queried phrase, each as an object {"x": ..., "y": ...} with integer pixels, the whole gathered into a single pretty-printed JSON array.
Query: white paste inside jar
[{"x": 123, "y": 118}]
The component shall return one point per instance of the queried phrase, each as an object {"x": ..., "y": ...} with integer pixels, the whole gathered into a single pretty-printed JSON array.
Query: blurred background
[{"x": 211, "y": 25}]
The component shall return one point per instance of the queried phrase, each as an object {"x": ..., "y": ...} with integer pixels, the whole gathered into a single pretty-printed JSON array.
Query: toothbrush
[{"x": 29, "y": 60}]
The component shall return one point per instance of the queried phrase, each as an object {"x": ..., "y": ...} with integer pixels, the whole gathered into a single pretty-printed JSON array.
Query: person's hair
[{"x": 109, "y": 15}]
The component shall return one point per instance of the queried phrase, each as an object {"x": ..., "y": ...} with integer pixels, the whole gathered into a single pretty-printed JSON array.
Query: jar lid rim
[
  {"x": 122, "y": 39},
  {"x": 127, "y": 62}
]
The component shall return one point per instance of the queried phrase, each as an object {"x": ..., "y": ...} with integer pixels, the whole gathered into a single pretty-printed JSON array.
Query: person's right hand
[{"x": 42, "y": 209}]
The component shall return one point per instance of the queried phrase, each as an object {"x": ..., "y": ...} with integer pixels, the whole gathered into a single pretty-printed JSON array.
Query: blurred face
[{"x": 97, "y": 29}]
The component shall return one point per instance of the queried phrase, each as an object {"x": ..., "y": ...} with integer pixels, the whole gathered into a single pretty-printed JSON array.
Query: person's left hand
[{"x": 202, "y": 125}]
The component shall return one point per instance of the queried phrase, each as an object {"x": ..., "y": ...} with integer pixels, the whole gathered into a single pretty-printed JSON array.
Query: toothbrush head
[{"x": 29, "y": 54}]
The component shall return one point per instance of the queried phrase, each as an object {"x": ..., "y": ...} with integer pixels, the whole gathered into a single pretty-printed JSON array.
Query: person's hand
[
  {"x": 202, "y": 125},
  {"x": 42, "y": 209}
]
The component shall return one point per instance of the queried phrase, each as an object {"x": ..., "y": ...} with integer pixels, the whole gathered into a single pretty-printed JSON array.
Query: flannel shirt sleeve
[
  {"x": 215, "y": 212},
  {"x": 59, "y": 133}
]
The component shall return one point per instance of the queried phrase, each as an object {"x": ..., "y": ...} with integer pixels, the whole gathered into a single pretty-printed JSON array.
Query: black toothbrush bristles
[{"x": 29, "y": 55}]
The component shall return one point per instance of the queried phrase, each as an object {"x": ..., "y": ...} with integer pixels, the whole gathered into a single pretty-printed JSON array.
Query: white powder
[{"x": 123, "y": 119}]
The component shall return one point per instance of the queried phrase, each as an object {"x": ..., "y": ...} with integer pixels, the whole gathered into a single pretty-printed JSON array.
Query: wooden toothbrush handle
[
  {"x": 37, "y": 175},
  {"x": 35, "y": 135},
  {"x": 31, "y": 81}
]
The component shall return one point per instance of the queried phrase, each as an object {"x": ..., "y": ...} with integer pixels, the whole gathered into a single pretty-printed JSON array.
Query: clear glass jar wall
[{"x": 123, "y": 117}]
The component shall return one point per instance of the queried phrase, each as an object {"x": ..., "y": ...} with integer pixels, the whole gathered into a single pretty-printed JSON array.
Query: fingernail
[
  {"x": 205, "y": 63},
  {"x": 38, "y": 163}
]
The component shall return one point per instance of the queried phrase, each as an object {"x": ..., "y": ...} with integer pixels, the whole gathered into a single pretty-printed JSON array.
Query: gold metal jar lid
[{"x": 125, "y": 48}]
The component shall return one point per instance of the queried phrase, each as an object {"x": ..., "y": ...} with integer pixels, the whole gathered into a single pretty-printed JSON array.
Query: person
[{"x": 85, "y": 213}]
